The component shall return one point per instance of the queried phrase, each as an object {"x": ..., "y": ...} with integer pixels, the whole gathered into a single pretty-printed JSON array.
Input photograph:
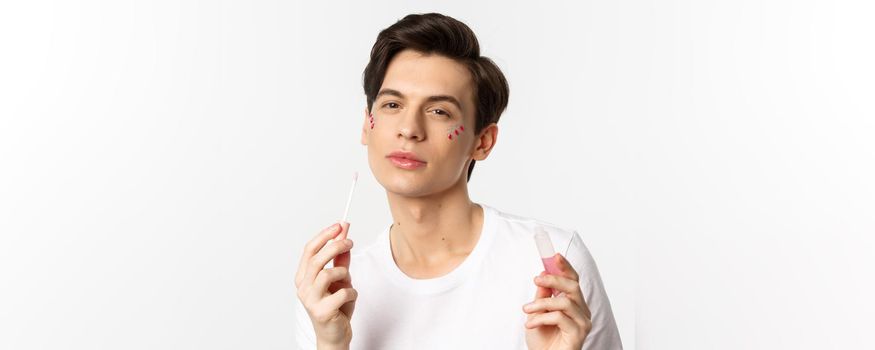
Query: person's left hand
[{"x": 560, "y": 322}]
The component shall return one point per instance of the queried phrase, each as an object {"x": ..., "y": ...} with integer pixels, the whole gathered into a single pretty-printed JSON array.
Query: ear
[
  {"x": 365, "y": 125},
  {"x": 485, "y": 142}
]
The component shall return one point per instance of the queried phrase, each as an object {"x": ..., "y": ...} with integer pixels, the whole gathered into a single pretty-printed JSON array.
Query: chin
[{"x": 405, "y": 183}]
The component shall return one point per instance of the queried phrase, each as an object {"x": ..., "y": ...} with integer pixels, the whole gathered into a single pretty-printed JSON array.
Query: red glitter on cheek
[{"x": 455, "y": 131}]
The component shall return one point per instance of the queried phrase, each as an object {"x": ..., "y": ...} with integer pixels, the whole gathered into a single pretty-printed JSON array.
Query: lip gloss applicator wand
[
  {"x": 343, "y": 222},
  {"x": 343, "y": 259}
]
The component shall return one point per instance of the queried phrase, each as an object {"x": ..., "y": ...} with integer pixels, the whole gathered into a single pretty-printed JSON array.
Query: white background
[{"x": 162, "y": 163}]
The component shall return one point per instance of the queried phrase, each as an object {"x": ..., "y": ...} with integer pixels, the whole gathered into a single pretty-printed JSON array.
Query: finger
[
  {"x": 554, "y": 318},
  {"x": 542, "y": 292},
  {"x": 338, "y": 299},
  {"x": 560, "y": 283},
  {"x": 324, "y": 279},
  {"x": 551, "y": 304},
  {"x": 344, "y": 230},
  {"x": 318, "y": 261},
  {"x": 566, "y": 268},
  {"x": 312, "y": 247},
  {"x": 569, "y": 272},
  {"x": 344, "y": 258},
  {"x": 571, "y": 288},
  {"x": 565, "y": 305}
]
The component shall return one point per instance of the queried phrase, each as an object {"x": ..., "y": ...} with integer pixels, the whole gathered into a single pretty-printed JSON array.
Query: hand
[
  {"x": 327, "y": 294},
  {"x": 560, "y": 322}
]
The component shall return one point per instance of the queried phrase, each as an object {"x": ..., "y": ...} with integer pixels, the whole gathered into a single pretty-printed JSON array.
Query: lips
[{"x": 405, "y": 160}]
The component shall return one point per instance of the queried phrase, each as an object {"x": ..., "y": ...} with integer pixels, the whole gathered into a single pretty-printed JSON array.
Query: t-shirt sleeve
[
  {"x": 604, "y": 334},
  {"x": 305, "y": 336}
]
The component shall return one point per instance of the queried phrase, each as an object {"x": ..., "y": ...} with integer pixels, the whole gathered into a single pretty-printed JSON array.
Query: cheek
[{"x": 454, "y": 132}]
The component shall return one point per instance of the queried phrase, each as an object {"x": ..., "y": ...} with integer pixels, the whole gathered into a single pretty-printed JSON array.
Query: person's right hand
[{"x": 327, "y": 294}]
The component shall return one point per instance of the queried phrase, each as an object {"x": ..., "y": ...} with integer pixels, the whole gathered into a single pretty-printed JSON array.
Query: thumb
[
  {"x": 342, "y": 259},
  {"x": 344, "y": 230}
]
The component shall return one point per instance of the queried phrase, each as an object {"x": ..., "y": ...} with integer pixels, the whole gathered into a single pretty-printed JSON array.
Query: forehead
[{"x": 418, "y": 75}]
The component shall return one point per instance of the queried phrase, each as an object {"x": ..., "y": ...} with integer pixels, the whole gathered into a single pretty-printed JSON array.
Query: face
[{"x": 420, "y": 129}]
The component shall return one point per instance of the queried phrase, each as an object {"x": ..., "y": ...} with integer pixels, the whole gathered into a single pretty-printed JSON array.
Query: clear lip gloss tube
[{"x": 548, "y": 254}]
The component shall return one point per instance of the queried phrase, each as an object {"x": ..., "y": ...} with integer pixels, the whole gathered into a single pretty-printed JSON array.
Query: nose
[{"x": 410, "y": 126}]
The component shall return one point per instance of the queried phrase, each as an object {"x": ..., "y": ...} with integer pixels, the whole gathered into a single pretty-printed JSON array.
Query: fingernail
[
  {"x": 527, "y": 307},
  {"x": 538, "y": 279}
]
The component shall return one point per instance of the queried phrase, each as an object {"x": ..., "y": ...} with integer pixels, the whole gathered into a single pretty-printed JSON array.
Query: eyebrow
[{"x": 434, "y": 98}]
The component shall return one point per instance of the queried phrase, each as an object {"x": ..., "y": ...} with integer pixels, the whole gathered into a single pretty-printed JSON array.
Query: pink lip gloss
[{"x": 548, "y": 254}]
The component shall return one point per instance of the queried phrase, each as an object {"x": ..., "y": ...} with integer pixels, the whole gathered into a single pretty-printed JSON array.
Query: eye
[
  {"x": 442, "y": 112},
  {"x": 390, "y": 103}
]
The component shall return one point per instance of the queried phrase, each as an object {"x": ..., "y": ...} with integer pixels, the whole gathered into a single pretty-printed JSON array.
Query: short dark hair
[{"x": 434, "y": 33}]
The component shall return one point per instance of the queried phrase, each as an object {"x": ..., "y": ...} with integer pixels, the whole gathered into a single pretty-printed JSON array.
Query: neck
[{"x": 431, "y": 235}]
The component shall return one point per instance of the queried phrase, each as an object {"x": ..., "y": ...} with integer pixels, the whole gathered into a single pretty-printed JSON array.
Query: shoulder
[
  {"x": 566, "y": 240},
  {"x": 523, "y": 227}
]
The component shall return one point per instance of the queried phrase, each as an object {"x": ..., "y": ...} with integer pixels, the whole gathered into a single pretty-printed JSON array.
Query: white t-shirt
[{"x": 478, "y": 305}]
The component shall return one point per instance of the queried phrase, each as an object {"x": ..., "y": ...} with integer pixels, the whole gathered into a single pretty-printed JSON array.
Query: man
[{"x": 448, "y": 273}]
